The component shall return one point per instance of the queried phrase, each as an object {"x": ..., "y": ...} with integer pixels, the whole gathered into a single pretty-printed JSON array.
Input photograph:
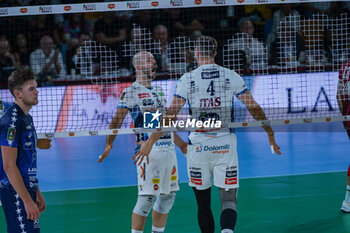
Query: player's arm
[
  {"x": 40, "y": 200},
  {"x": 146, "y": 147},
  {"x": 9, "y": 157},
  {"x": 259, "y": 115},
  {"x": 180, "y": 143},
  {"x": 116, "y": 123}
]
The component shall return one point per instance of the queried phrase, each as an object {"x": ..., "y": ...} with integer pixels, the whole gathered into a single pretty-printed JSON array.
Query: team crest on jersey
[
  {"x": 122, "y": 96},
  {"x": 11, "y": 134}
]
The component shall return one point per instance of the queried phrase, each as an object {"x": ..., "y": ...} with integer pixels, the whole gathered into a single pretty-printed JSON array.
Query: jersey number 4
[{"x": 211, "y": 88}]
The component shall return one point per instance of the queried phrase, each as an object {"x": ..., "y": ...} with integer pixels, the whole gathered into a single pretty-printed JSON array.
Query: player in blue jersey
[
  {"x": 157, "y": 179},
  {"x": 212, "y": 156},
  {"x": 20, "y": 195}
]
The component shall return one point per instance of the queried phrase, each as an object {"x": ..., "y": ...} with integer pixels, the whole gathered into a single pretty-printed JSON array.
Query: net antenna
[{"x": 97, "y": 62}]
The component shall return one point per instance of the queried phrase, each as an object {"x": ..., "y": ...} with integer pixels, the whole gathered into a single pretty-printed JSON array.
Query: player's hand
[
  {"x": 40, "y": 202},
  {"x": 43, "y": 143},
  {"x": 274, "y": 146},
  {"x": 108, "y": 149},
  {"x": 32, "y": 210},
  {"x": 183, "y": 148},
  {"x": 144, "y": 151}
]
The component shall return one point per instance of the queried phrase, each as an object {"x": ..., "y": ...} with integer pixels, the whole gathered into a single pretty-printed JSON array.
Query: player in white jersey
[
  {"x": 157, "y": 179},
  {"x": 209, "y": 91}
]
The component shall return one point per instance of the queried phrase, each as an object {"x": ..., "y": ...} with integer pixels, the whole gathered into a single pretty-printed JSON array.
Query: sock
[
  {"x": 226, "y": 231},
  {"x": 157, "y": 230},
  {"x": 136, "y": 231},
  {"x": 347, "y": 195},
  {"x": 228, "y": 220}
]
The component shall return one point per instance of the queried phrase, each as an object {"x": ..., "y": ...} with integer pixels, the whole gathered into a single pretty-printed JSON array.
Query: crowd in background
[{"x": 50, "y": 44}]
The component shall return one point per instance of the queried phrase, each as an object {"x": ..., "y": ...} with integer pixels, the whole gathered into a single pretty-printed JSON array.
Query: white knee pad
[
  {"x": 143, "y": 205},
  {"x": 228, "y": 199},
  {"x": 164, "y": 203}
]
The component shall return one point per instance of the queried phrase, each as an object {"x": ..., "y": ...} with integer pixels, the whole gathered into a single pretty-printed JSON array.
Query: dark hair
[
  {"x": 18, "y": 78},
  {"x": 207, "y": 46}
]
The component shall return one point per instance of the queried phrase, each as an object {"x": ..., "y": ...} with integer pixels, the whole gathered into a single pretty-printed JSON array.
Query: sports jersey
[
  {"x": 139, "y": 99},
  {"x": 17, "y": 130},
  {"x": 209, "y": 91},
  {"x": 344, "y": 81}
]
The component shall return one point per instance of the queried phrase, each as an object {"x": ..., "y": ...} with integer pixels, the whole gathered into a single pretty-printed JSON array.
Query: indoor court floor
[{"x": 300, "y": 191}]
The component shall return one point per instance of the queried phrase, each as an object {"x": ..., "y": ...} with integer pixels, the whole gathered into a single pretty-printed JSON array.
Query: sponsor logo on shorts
[
  {"x": 231, "y": 174},
  {"x": 164, "y": 143},
  {"x": 155, "y": 187},
  {"x": 195, "y": 174},
  {"x": 173, "y": 171},
  {"x": 223, "y": 149},
  {"x": 141, "y": 187},
  {"x": 155, "y": 180},
  {"x": 173, "y": 178},
  {"x": 230, "y": 181},
  {"x": 196, "y": 181}
]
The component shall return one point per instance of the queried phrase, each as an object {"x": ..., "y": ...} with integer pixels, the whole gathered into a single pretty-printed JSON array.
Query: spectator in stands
[
  {"x": 41, "y": 25},
  {"x": 73, "y": 53},
  {"x": 73, "y": 27},
  {"x": 7, "y": 60},
  {"x": 46, "y": 62},
  {"x": 288, "y": 49},
  {"x": 278, "y": 16},
  {"x": 111, "y": 31},
  {"x": 254, "y": 51},
  {"x": 160, "y": 34},
  {"x": 22, "y": 51}
]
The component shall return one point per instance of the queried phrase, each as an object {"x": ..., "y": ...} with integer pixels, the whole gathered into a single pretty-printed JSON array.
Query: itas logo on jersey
[
  {"x": 210, "y": 102},
  {"x": 151, "y": 120}
]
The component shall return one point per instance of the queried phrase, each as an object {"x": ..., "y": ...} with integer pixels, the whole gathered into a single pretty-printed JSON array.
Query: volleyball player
[
  {"x": 343, "y": 94},
  {"x": 157, "y": 179}
]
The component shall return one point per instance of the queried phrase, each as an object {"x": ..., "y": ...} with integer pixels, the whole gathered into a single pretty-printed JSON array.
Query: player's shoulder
[{"x": 133, "y": 88}]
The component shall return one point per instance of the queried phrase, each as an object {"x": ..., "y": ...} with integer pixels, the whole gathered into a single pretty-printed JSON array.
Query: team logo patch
[{"x": 11, "y": 134}]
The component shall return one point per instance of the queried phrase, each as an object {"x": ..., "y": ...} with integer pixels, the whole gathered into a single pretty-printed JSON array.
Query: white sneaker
[{"x": 345, "y": 207}]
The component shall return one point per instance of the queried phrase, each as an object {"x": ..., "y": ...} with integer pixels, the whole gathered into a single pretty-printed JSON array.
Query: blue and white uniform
[
  {"x": 17, "y": 131},
  {"x": 160, "y": 176},
  {"x": 209, "y": 91}
]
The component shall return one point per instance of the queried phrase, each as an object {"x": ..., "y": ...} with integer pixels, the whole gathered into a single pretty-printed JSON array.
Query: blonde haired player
[
  {"x": 209, "y": 91},
  {"x": 157, "y": 179}
]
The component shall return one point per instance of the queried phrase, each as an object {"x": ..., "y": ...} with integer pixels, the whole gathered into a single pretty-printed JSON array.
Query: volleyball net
[{"x": 292, "y": 57}]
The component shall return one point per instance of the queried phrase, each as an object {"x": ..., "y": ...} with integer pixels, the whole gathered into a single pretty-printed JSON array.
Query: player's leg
[
  {"x": 161, "y": 208},
  {"x": 226, "y": 179},
  {"x": 204, "y": 212},
  {"x": 15, "y": 214},
  {"x": 200, "y": 175},
  {"x": 166, "y": 164},
  {"x": 141, "y": 210},
  {"x": 346, "y": 203},
  {"x": 228, "y": 215}
]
